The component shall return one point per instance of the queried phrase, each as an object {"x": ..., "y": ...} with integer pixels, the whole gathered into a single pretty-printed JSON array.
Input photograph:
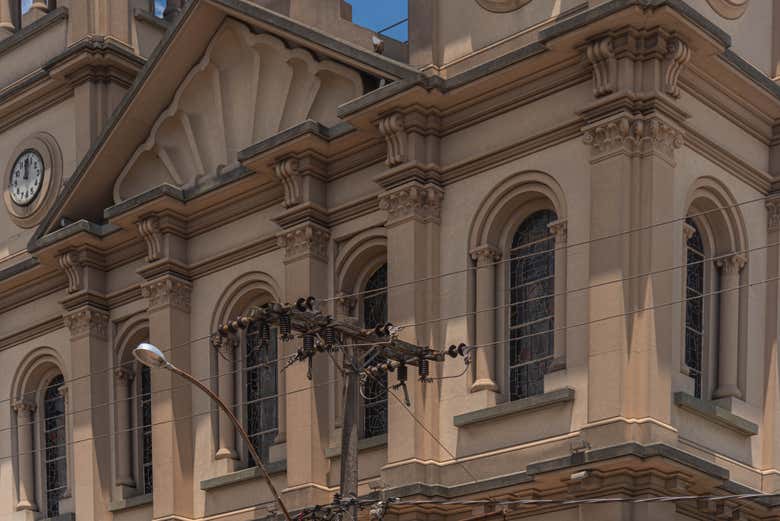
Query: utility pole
[{"x": 322, "y": 333}]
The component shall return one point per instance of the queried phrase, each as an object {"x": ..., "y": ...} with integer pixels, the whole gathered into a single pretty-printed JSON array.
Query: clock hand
[{"x": 26, "y": 168}]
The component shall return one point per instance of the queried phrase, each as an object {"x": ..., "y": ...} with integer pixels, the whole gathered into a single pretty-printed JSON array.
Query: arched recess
[
  {"x": 237, "y": 367},
  {"x": 39, "y": 380},
  {"x": 360, "y": 263},
  {"x": 132, "y": 413},
  {"x": 714, "y": 333},
  {"x": 498, "y": 218}
]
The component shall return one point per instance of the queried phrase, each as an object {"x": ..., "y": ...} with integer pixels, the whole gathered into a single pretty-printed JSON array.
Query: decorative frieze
[
  {"x": 87, "y": 321},
  {"x": 74, "y": 270},
  {"x": 149, "y": 228},
  {"x": 633, "y": 134},
  {"x": 305, "y": 240},
  {"x": 601, "y": 55},
  {"x": 168, "y": 291},
  {"x": 413, "y": 201},
  {"x": 287, "y": 172},
  {"x": 392, "y": 128},
  {"x": 677, "y": 55}
]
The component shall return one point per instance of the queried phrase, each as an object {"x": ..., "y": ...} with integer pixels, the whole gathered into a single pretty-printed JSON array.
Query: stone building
[{"x": 585, "y": 190}]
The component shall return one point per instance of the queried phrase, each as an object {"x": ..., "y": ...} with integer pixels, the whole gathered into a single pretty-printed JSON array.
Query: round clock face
[{"x": 26, "y": 177}]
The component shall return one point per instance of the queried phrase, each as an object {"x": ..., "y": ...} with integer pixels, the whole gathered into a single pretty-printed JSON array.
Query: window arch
[
  {"x": 374, "y": 313},
  {"x": 714, "y": 296},
  {"x": 42, "y": 436},
  {"x": 532, "y": 307},
  {"x": 133, "y": 417}
]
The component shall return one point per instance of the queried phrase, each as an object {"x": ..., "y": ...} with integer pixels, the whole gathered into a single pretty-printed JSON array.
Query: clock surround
[{"x": 28, "y": 208}]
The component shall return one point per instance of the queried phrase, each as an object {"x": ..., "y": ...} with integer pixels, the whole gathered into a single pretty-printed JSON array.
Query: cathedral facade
[{"x": 581, "y": 192}]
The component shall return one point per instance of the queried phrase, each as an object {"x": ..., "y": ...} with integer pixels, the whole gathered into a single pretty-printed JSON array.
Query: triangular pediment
[
  {"x": 227, "y": 75},
  {"x": 247, "y": 87}
]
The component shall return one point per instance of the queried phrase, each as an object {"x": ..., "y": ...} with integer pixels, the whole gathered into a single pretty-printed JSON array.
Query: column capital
[
  {"x": 87, "y": 321},
  {"x": 168, "y": 290},
  {"x": 414, "y": 200},
  {"x": 25, "y": 405},
  {"x": 633, "y": 134},
  {"x": 305, "y": 240},
  {"x": 124, "y": 375},
  {"x": 485, "y": 254},
  {"x": 732, "y": 264},
  {"x": 688, "y": 231},
  {"x": 559, "y": 229}
]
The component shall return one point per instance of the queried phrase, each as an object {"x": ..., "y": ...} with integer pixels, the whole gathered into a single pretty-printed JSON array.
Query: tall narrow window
[
  {"x": 54, "y": 457},
  {"x": 694, "y": 307},
  {"x": 261, "y": 389},
  {"x": 531, "y": 310},
  {"x": 375, "y": 389},
  {"x": 145, "y": 405}
]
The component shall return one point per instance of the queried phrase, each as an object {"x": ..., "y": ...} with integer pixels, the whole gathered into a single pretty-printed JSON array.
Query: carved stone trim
[
  {"x": 149, "y": 228},
  {"x": 87, "y": 321},
  {"x": 485, "y": 254},
  {"x": 74, "y": 270},
  {"x": 412, "y": 201},
  {"x": 305, "y": 240},
  {"x": 288, "y": 173},
  {"x": 634, "y": 134},
  {"x": 559, "y": 229},
  {"x": 168, "y": 291},
  {"x": 773, "y": 213},
  {"x": 732, "y": 264},
  {"x": 392, "y": 128},
  {"x": 24, "y": 406},
  {"x": 677, "y": 55},
  {"x": 601, "y": 55}
]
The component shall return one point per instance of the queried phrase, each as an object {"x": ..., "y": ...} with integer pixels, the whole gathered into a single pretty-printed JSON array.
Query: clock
[{"x": 26, "y": 177}]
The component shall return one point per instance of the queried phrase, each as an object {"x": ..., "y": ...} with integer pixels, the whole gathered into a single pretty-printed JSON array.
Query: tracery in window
[
  {"x": 54, "y": 457},
  {"x": 375, "y": 389},
  {"x": 262, "y": 415},
  {"x": 694, "y": 307},
  {"x": 145, "y": 406},
  {"x": 531, "y": 310}
]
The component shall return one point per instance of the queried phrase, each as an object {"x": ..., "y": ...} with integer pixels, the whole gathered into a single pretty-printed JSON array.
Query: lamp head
[{"x": 150, "y": 355}]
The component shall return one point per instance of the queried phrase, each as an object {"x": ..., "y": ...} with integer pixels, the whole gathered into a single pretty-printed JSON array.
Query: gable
[{"x": 247, "y": 87}]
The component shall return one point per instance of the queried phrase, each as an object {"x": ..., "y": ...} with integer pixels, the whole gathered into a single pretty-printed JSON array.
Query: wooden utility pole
[{"x": 349, "y": 428}]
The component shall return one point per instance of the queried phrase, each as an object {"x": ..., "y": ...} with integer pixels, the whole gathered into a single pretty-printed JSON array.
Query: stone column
[
  {"x": 169, "y": 329},
  {"x": 90, "y": 447},
  {"x": 485, "y": 319},
  {"x": 558, "y": 229},
  {"x": 227, "y": 384},
  {"x": 123, "y": 379},
  {"x": 413, "y": 213},
  {"x": 25, "y": 420},
  {"x": 305, "y": 267},
  {"x": 728, "y": 345},
  {"x": 7, "y": 27}
]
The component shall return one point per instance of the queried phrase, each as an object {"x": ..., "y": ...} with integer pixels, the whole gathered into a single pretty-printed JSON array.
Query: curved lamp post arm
[{"x": 239, "y": 428}]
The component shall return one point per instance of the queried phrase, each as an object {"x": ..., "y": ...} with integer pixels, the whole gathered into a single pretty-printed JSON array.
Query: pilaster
[
  {"x": 168, "y": 312},
  {"x": 90, "y": 420},
  {"x": 770, "y": 437},
  {"x": 25, "y": 420},
  {"x": 306, "y": 252},
  {"x": 413, "y": 215},
  {"x": 123, "y": 378},
  {"x": 728, "y": 345}
]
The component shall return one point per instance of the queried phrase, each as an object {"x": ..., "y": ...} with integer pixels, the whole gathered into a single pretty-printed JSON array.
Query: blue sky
[{"x": 374, "y": 14}]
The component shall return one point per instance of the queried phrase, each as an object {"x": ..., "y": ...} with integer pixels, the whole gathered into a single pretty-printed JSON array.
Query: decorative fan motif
[
  {"x": 502, "y": 6},
  {"x": 730, "y": 9},
  {"x": 246, "y": 88}
]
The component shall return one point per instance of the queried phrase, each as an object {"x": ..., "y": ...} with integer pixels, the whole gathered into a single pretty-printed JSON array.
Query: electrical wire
[{"x": 557, "y": 248}]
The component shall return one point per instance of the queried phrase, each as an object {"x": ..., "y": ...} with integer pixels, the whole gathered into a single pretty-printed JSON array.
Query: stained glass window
[
  {"x": 54, "y": 460},
  {"x": 694, "y": 307},
  {"x": 375, "y": 389},
  {"x": 261, "y": 390},
  {"x": 531, "y": 310},
  {"x": 145, "y": 402}
]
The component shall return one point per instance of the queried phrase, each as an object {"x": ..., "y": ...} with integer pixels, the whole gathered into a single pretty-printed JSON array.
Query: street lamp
[{"x": 151, "y": 356}]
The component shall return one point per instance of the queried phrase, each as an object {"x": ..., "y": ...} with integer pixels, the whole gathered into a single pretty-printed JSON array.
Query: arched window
[
  {"x": 54, "y": 460},
  {"x": 261, "y": 388},
  {"x": 694, "y": 306},
  {"x": 531, "y": 309},
  {"x": 375, "y": 389}
]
